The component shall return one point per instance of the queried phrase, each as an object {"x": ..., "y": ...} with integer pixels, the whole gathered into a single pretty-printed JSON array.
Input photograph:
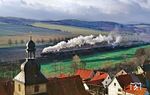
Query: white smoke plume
[
  {"x": 82, "y": 40},
  {"x": 114, "y": 38}
]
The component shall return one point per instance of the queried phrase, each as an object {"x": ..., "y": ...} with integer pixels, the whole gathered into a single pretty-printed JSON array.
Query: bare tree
[
  {"x": 76, "y": 59},
  {"x": 22, "y": 42},
  {"x": 42, "y": 41},
  {"x": 10, "y": 42},
  {"x": 16, "y": 42},
  {"x": 38, "y": 41},
  {"x": 76, "y": 62},
  {"x": 55, "y": 40}
]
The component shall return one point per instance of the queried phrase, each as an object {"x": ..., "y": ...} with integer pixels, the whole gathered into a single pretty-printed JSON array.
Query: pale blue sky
[{"x": 126, "y": 11}]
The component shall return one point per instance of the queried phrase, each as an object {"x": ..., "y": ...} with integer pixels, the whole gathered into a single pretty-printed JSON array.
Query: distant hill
[
  {"x": 14, "y": 20},
  {"x": 103, "y": 25},
  {"x": 17, "y": 26},
  {"x": 96, "y": 25}
]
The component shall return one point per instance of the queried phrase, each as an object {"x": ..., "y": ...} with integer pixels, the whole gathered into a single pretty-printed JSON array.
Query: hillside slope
[{"x": 104, "y": 25}]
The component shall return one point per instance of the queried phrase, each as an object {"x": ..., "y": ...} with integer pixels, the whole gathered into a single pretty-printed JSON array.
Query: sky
[{"x": 123, "y": 11}]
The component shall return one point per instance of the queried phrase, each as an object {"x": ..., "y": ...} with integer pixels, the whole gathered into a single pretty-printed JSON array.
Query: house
[
  {"x": 85, "y": 74},
  {"x": 72, "y": 85},
  {"x": 115, "y": 88},
  {"x": 120, "y": 84},
  {"x": 132, "y": 90},
  {"x": 99, "y": 83},
  {"x": 122, "y": 72},
  {"x": 139, "y": 70},
  {"x": 100, "y": 78},
  {"x": 63, "y": 76},
  {"x": 142, "y": 79}
]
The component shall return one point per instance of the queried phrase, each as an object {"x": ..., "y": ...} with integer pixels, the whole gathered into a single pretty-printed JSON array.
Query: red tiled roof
[
  {"x": 98, "y": 78},
  {"x": 94, "y": 82},
  {"x": 85, "y": 74},
  {"x": 138, "y": 91},
  {"x": 62, "y": 76},
  {"x": 66, "y": 86}
]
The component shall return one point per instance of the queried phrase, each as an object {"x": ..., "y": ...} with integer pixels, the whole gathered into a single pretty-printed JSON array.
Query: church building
[{"x": 30, "y": 81}]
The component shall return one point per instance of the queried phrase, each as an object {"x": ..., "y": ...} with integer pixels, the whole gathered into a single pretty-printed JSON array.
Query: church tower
[{"x": 30, "y": 81}]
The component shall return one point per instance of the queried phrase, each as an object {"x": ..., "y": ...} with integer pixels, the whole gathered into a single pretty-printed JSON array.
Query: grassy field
[
  {"x": 40, "y": 31},
  {"x": 71, "y": 29},
  {"x": 93, "y": 62},
  {"x": 18, "y": 32}
]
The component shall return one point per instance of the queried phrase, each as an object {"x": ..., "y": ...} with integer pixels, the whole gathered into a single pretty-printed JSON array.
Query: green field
[
  {"x": 93, "y": 62},
  {"x": 70, "y": 29}
]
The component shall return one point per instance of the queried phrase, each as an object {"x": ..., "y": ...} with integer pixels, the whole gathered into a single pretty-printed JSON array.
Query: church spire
[
  {"x": 30, "y": 49},
  {"x": 30, "y": 80}
]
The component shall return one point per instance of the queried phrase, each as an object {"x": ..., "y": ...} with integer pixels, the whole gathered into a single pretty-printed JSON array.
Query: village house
[
  {"x": 99, "y": 83},
  {"x": 100, "y": 78},
  {"x": 139, "y": 70},
  {"x": 85, "y": 74},
  {"x": 66, "y": 86},
  {"x": 121, "y": 72},
  {"x": 114, "y": 88},
  {"x": 132, "y": 90},
  {"x": 96, "y": 83},
  {"x": 120, "y": 85}
]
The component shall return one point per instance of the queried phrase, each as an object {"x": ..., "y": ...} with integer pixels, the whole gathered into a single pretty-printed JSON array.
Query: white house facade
[{"x": 114, "y": 88}]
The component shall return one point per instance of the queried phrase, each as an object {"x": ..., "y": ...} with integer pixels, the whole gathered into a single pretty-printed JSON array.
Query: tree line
[{"x": 38, "y": 41}]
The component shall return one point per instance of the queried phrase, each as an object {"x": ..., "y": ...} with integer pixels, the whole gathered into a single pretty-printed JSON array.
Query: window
[
  {"x": 114, "y": 84},
  {"x": 119, "y": 90},
  {"x": 36, "y": 88},
  {"x": 19, "y": 87},
  {"x": 106, "y": 82}
]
